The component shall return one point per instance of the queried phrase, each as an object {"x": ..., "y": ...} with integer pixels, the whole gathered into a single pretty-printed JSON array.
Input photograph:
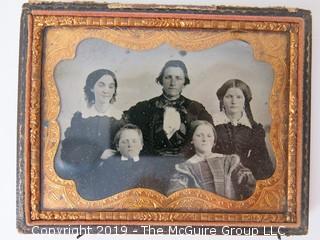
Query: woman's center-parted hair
[
  {"x": 92, "y": 78},
  {"x": 128, "y": 126},
  {"x": 237, "y": 83},
  {"x": 174, "y": 63},
  {"x": 234, "y": 83}
]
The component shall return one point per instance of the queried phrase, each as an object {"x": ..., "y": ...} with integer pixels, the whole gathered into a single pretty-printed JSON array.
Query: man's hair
[{"x": 174, "y": 63}]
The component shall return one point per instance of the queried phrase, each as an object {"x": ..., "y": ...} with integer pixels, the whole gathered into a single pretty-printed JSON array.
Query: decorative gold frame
[{"x": 54, "y": 34}]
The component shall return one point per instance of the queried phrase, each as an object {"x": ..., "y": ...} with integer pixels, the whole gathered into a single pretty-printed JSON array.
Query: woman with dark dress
[
  {"x": 89, "y": 138},
  {"x": 237, "y": 131}
]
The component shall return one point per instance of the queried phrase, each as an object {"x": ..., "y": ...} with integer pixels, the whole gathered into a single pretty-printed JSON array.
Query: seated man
[
  {"x": 124, "y": 170},
  {"x": 165, "y": 120}
]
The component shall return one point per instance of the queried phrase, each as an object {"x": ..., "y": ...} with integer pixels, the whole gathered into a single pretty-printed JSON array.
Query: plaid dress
[{"x": 217, "y": 174}]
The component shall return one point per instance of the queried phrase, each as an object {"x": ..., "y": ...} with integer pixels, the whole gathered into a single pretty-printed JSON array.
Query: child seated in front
[
  {"x": 213, "y": 172},
  {"x": 123, "y": 171}
]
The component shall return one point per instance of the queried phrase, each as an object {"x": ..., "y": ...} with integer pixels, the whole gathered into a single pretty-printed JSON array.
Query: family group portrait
[{"x": 164, "y": 119}]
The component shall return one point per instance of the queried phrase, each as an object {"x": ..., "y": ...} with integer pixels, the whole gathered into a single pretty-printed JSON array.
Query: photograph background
[
  {"x": 10, "y": 25},
  {"x": 136, "y": 72}
]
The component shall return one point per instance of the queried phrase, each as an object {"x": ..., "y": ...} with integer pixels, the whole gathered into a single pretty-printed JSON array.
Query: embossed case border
[{"x": 33, "y": 77}]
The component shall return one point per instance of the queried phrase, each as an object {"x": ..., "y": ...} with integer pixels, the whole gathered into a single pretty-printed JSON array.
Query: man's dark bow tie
[{"x": 177, "y": 104}]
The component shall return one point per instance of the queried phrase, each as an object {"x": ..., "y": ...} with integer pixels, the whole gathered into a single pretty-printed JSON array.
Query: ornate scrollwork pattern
[{"x": 269, "y": 40}]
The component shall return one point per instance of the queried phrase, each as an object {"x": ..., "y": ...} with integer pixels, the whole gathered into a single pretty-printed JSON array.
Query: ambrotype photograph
[
  {"x": 164, "y": 119},
  {"x": 173, "y": 117}
]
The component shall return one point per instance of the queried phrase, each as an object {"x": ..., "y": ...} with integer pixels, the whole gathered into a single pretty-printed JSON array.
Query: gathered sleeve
[
  {"x": 244, "y": 182},
  {"x": 79, "y": 153},
  {"x": 259, "y": 159}
]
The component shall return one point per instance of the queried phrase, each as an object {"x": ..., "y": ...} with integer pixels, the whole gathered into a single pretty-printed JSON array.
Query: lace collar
[
  {"x": 111, "y": 112},
  {"x": 221, "y": 118}
]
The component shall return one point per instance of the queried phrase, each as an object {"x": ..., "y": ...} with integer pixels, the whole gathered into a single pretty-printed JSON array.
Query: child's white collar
[
  {"x": 197, "y": 158},
  {"x": 135, "y": 159}
]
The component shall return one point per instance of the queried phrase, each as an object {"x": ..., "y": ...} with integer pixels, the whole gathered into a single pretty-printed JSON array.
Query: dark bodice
[
  {"x": 249, "y": 144},
  {"x": 148, "y": 115},
  {"x": 85, "y": 141}
]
